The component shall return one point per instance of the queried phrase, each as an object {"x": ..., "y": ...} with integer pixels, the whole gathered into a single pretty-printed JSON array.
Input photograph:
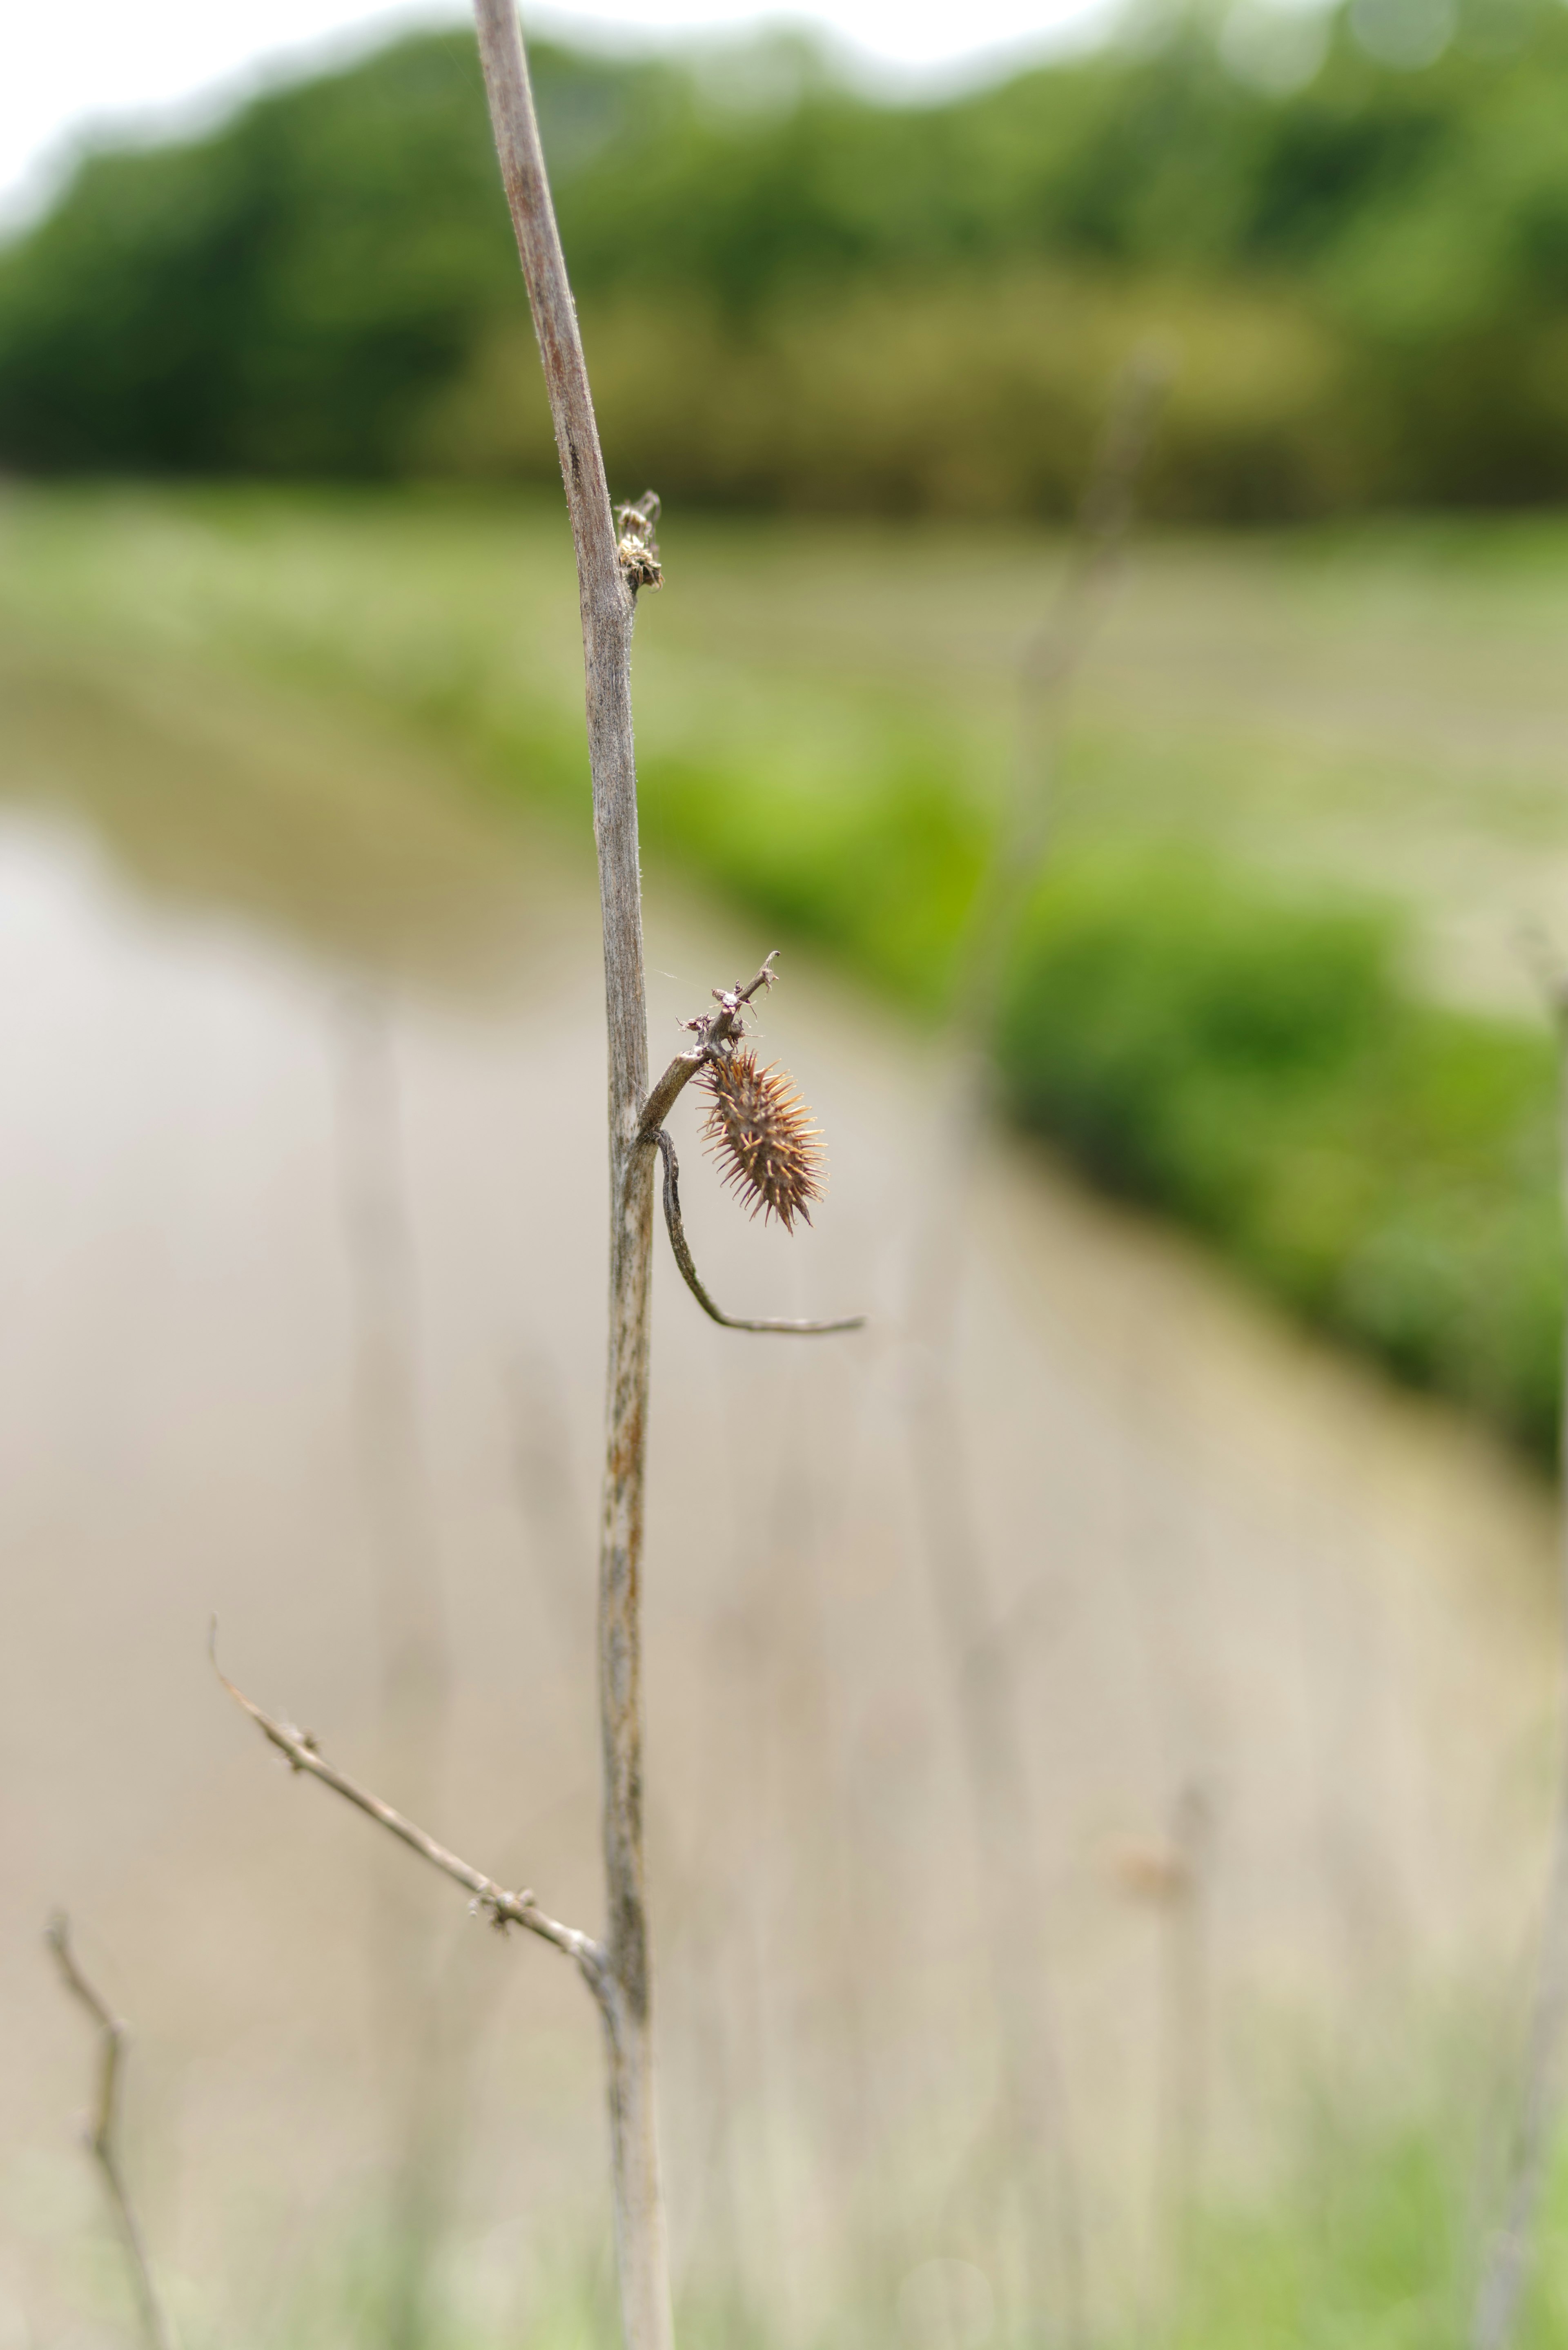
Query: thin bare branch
[
  {"x": 103, "y": 2136},
  {"x": 712, "y": 1029},
  {"x": 493, "y": 1901},
  {"x": 688, "y": 1270}
]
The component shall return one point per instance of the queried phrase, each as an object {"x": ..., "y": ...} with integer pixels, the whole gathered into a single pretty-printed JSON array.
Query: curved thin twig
[
  {"x": 102, "y": 2138},
  {"x": 501, "y": 1907},
  {"x": 688, "y": 1270}
]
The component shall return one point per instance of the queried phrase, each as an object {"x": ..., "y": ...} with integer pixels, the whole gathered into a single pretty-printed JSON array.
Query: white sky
[{"x": 66, "y": 67}]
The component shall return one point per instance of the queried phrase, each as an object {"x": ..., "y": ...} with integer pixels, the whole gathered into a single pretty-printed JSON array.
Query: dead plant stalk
[
  {"x": 608, "y": 603},
  {"x": 103, "y": 2135},
  {"x": 978, "y": 1645},
  {"x": 1506, "y": 2264},
  {"x": 769, "y": 1148}
]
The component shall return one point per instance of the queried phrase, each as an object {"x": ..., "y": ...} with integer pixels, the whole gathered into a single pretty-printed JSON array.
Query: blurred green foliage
[
  {"x": 1385, "y": 1164},
  {"x": 794, "y": 294},
  {"x": 1371, "y": 2238}
]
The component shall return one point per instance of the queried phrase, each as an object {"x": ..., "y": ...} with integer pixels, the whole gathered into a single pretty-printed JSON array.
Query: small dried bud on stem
[{"x": 635, "y": 546}]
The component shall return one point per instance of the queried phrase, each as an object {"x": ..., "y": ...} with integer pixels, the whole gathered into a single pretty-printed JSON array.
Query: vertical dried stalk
[
  {"x": 1506, "y": 2269},
  {"x": 1184, "y": 2003},
  {"x": 425, "y": 2072},
  {"x": 103, "y": 2138},
  {"x": 380, "y": 1246},
  {"x": 1049, "y": 663},
  {"x": 547, "y": 1512},
  {"x": 1033, "y": 2092},
  {"x": 608, "y": 606}
]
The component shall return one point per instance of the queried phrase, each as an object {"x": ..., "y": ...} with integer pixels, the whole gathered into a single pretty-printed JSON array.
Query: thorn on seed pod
[{"x": 762, "y": 1134}]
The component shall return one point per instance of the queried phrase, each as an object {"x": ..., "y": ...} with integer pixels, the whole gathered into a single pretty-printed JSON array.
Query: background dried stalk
[
  {"x": 1036, "y": 2149},
  {"x": 1505, "y": 2268},
  {"x": 103, "y": 2135},
  {"x": 428, "y": 2039}
]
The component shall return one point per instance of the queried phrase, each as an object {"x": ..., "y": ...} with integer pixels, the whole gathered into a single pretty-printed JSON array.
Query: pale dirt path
[{"x": 1220, "y": 1556}]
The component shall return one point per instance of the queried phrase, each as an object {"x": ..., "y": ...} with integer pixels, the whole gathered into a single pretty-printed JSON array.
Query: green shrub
[
  {"x": 1387, "y": 1165},
  {"x": 883, "y": 874}
]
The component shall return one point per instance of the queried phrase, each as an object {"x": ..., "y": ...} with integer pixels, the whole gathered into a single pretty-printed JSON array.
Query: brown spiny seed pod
[{"x": 762, "y": 1134}]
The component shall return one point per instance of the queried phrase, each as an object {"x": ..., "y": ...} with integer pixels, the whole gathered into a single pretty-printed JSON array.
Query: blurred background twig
[
  {"x": 103, "y": 2133},
  {"x": 1032, "y": 2097},
  {"x": 1511, "y": 2248}
]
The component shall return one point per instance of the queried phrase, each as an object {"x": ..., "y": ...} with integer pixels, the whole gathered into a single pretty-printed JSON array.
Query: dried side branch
[
  {"x": 490, "y": 1900},
  {"x": 717, "y": 1033},
  {"x": 688, "y": 1270},
  {"x": 104, "y": 2134},
  {"x": 712, "y": 1029}
]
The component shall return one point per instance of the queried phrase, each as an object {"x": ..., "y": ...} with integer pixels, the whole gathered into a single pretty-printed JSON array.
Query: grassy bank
[
  {"x": 1371, "y": 2241},
  {"x": 1385, "y": 1165},
  {"x": 1191, "y": 1010}
]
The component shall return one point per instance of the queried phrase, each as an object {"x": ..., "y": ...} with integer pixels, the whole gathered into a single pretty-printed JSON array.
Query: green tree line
[{"x": 795, "y": 295}]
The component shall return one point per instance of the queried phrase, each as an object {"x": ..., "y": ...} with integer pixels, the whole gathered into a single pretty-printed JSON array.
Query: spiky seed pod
[{"x": 762, "y": 1134}]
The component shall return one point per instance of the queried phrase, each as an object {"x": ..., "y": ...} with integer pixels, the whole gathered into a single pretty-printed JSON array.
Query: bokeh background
[{"x": 1104, "y": 1718}]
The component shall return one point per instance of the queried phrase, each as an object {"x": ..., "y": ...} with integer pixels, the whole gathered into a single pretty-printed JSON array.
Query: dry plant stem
[
  {"x": 548, "y": 1504},
  {"x": 424, "y": 2080},
  {"x": 1506, "y": 2268},
  {"x": 689, "y": 1272},
  {"x": 380, "y": 1245},
  {"x": 104, "y": 2134},
  {"x": 606, "y": 604},
  {"x": 1047, "y": 668},
  {"x": 716, "y": 1029},
  {"x": 1184, "y": 2037},
  {"x": 986, "y": 1682},
  {"x": 1040, "y": 2157},
  {"x": 503, "y": 1908}
]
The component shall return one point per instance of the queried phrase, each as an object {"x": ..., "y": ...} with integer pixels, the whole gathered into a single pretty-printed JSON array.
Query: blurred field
[
  {"x": 1220, "y": 1563},
  {"x": 1381, "y": 707},
  {"x": 1276, "y": 737}
]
